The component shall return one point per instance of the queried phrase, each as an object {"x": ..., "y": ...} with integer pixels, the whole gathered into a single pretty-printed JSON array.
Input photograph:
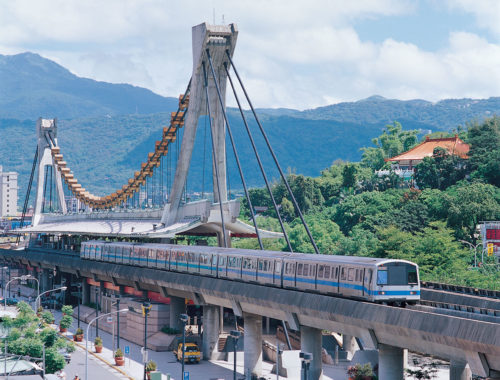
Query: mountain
[
  {"x": 106, "y": 130},
  {"x": 33, "y": 86}
]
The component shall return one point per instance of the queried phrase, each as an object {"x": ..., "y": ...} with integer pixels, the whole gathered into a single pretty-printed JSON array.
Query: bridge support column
[
  {"x": 85, "y": 292},
  {"x": 311, "y": 341},
  {"x": 177, "y": 307},
  {"x": 390, "y": 362},
  {"x": 253, "y": 345},
  {"x": 210, "y": 331},
  {"x": 349, "y": 345},
  {"x": 45, "y": 280},
  {"x": 460, "y": 370}
]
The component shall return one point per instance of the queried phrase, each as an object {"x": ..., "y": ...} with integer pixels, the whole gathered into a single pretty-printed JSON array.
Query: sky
[{"x": 290, "y": 53}]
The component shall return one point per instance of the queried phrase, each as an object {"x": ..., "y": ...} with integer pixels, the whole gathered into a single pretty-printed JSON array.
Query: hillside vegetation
[{"x": 352, "y": 211}]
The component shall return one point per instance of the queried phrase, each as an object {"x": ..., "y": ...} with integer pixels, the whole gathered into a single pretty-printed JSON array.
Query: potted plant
[
  {"x": 39, "y": 311},
  {"x": 98, "y": 344},
  {"x": 67, "y": 310},
  {"x": 65, "y": 322},
  {"x": 150, "y": 367},
  {"x": 78, "y": 337},
  {"x": 119, "y": 359},
  {"x": 361, "y": 372}
]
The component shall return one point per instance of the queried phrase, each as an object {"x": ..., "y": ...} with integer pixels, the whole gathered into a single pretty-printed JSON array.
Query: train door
[{"x": 367, "y": 283}]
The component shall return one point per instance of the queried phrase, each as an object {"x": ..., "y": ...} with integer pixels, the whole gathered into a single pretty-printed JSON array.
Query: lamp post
[
  {"x": 117, "y": 297},
  {"x": 146, "y": 307},
  {"x": 306, "y": 358},
  {"x": 235, "y": 334},
  {"x": 87, "y": 335},
  {"x": 97, "y": 311},
  {"x": 184, "y": 318},
  {"x": 24, "y": 278},
  {"x": 79, "y": 286},
  {"x": 48, "y": 291},
  {"x": 474, "y": 247}
]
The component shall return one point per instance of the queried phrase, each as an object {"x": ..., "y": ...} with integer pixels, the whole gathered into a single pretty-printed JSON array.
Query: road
[{"x": 97, "y": 369}]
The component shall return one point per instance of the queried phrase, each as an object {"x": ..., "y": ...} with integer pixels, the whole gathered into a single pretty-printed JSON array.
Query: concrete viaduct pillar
[
  {"x": 311, "y": 341},
  {"x": 85, "y": 292},
  {"x": 177, "y": 307},
  {"x": 253, "y": 345},
  {"x": 390, "y": 362},
  {"x": 349, "y": 345},
  {"x": 460, "y": 370},
  {"x": 45, "y": 281},
  {"x": 211, "y": 330}
]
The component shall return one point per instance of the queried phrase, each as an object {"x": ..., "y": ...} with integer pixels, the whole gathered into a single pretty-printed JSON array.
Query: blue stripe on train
[{"x": 285, "y": 278}]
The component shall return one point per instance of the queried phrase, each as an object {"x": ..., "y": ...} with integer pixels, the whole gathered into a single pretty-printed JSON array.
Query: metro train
[{"x": 365, "y": 278}]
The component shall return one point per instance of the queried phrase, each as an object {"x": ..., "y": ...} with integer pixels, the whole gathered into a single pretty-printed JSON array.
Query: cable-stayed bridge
[{"x": 151, "y": 206}]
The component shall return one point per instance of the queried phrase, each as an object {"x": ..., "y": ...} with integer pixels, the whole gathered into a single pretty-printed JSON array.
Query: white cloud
[{"x": 290, "y": 53}]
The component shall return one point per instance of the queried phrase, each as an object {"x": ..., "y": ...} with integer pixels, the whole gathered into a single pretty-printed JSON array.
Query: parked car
[
  {"x": 11, "y": 301},
  {"x": 66, "y": 354}
]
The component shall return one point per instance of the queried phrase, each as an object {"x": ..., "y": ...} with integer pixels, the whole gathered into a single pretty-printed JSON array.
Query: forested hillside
[{"x": 352, "y": 211}]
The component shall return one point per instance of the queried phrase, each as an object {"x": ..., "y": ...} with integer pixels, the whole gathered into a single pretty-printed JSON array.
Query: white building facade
[{"x": 8, "y": 193}]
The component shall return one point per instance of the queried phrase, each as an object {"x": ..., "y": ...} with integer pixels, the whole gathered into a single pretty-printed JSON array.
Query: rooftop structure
[{"x": 409, "y": 159}]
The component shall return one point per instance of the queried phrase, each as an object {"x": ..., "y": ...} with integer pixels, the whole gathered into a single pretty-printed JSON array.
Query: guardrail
[{"x": 461, "y": 289}]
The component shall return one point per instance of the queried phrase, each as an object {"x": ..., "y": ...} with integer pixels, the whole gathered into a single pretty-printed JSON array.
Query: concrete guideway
[{"x": 457, "y": 339}]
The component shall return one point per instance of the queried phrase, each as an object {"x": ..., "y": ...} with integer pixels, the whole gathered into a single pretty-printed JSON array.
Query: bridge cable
[
  {"x": 274, "y": 157},
  {"x": 235, "y": 151},
  {"x": 44, "y": 188},
  {"x": 204, "y": 159},
  {"x": 28, "y": 192},
  {"x": 268, "y": 186},
  {"x": 214, "y": 155}
]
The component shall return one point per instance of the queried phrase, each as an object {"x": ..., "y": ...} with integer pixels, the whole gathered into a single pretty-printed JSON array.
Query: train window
[
  {"x": 327, "y": 272},
  {"x": 277, "y": 266},
  {"x": 261, "y": 265},
  {"x": 299, "y": 270},
  {"x": 214, "y": 260},
  {"x": 412, "y": 276},
  {"x": 350, "y": 274},
  {"x": 357, "y": 275},
  {"x": 342, "y": 274},
  {"x": 312, "y": 271},
  {"x": 305, "y": 271},
  {"x": 321, "y": 270},
  {"x": 382, "y": 276}
]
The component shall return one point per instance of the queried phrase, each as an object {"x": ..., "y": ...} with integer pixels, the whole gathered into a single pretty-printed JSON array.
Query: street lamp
[
  {"x": 184, "y": 318},
  {"x": 48, "y": 291},
  {"x": 235, "y": 334},
  {"x": 97, "y": 289},
  {"x": 117, "y": 302},
  {"x": 306, "y": 358},
  {"x": 79, "y": 287},
  {"x": 3, "y": 280},
  {"x": 146, "y": 307},
  {"x": 23, "y": 278},
  {"x": 87, "y": 340},
  {"x": 474, "y": 247}
]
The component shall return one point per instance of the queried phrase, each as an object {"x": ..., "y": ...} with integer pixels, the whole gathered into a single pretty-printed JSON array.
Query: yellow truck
[{"x": 191, "y": 355}]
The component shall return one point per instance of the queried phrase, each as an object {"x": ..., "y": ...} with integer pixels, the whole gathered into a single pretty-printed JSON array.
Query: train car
[{"x": 365, "y": 278}]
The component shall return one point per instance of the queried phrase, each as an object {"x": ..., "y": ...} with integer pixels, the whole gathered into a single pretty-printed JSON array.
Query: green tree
[
  {"x": 54, "y": 361},
  {"x": 484, "y": 152},
  {"x": 393, "y": 141},
  {"x": 326, "y": 234},
  {"x": 441, "y": 170}
]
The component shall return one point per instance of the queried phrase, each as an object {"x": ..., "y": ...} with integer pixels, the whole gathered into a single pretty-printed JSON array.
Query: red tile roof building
[{"x": 409, "y": 159}]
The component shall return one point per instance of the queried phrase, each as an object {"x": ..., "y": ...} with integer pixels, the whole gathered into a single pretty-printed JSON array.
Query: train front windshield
[{"x": 397, "y": 274}]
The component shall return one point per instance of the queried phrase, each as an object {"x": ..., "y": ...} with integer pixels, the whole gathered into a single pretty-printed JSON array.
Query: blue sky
[{"x": 295, "y": 54}]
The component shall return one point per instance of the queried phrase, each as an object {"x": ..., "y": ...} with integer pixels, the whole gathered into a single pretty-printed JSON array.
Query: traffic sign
[
  {"x": 490, "y": 249},
  {"x": 186, "y": 375},
  {"x": 109, "y": 319},
  {"x": 127, "y": 350}
]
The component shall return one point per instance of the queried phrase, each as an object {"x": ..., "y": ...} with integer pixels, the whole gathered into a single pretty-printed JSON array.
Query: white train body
[{"x": 372, "y": 279}]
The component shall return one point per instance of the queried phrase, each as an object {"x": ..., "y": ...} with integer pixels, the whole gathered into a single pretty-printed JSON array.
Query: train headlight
[
  {"x": 413, "y": 293},
  {"x": 381, "y": 293}
]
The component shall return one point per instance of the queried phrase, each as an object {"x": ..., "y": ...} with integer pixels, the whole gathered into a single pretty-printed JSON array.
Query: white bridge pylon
[
  {"x": 46, "y": 130},
  {"x": 217, "y": 39}
]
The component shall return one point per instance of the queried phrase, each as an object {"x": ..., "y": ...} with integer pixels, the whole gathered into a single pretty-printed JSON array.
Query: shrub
[
  {"x": 361, "y": 371},
  {"x": 151, "y": 366},
  {"x": 47, "y": 317},
  {"x": 24, "y": 308},
  {"x": 54, "y": 361},
  {"x": 79, "y": 331},
  {"x": 98, "y": 341},
  {"x": 48, "y": 336},
  {"x": 67, "y": 309},
  {"x": 14, "y": 335},
  {"x": 66, "y": 321},
  {"x": 118, "y": 353},
  {"x": 39, "y": 310}
]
